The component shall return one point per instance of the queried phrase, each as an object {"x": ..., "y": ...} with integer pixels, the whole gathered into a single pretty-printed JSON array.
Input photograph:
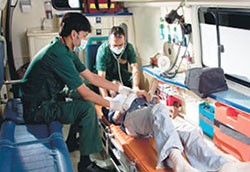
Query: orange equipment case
[
  {"x": 232, "y": 131},
  {"x": 140, "y": 151}
]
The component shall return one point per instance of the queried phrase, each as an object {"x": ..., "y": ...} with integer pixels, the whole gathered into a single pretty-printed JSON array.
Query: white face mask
[
  {"x": 117, "y": 51},
  {"x": 81, "y": 47}
]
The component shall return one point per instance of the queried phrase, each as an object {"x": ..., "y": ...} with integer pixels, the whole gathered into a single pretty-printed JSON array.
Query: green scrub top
[
  {"x": 105, "y": 61},
  {"x": 51, "y": 69}
]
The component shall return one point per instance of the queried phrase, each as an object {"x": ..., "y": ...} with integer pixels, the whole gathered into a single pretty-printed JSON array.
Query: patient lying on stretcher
[{"x": 143, "y": 119}]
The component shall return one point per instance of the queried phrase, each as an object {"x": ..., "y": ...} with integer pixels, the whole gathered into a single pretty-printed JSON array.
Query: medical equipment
[
  {"x": 163, "y": 63},
  {"x": 25, "y": 6},
  {"x": 164, "y": 60},
  {"x": 117, "y": 58},
  {"x": 185, "y": 29},
  {"x": 48, "y": 9},
  {"x": 204, "y": 81},
  {"x": 167, "y": 73},
  {"x": 166, "y": 63},
  {"x": 173, "y": 15}
]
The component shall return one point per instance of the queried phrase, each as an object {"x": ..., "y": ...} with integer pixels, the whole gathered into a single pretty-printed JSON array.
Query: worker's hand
[
  {"x": 128, "y": 101},
  {"x": 135, "y": 88},
  {"x": 116, "y": 103},
  {"x": 112, "y": 93},
  {"x": 143, "y": 94},
  {"x": 174, "y": 112},
  {"x": 124, "y": 90}
]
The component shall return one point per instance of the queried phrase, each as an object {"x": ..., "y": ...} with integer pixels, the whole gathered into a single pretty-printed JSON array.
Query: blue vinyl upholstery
[{"x": 31, "y": 147}]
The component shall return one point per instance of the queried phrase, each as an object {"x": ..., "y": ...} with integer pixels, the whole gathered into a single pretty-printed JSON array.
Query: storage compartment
[
  {"x": 101, "y": 21},
  {"x": 232, "y": 131},
  {"x": 99, "y": 32},
  {"x": 38, "y": 39},
  {"x": 206, "y": 119},
  {"x": 173, "y": 101}
]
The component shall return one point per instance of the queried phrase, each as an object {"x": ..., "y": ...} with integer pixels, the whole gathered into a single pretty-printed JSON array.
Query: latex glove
[
  {"x": 124, "y": 90},
  {"x": 136, "y": 88},
  {"x": 116, "y": 102},
  {"x": 128, "y": 101}
]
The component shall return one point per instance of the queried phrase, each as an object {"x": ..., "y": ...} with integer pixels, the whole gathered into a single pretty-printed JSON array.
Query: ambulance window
[
  {"x": 225, "y": 37},
  {"x": 67, "y": 4},
  {"x": 208, "y": 38}
]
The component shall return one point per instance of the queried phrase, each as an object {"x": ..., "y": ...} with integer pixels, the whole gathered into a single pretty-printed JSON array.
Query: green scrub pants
[{"x": 78, "y": 112}]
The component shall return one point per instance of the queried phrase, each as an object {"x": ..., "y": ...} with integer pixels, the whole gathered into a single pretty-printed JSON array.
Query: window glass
[
  {"x": 230, "y": 30},
  {"x": 234, "y": 32},
  {"x": 67, "y": 4},
  {"x": 74, "y": 3}
]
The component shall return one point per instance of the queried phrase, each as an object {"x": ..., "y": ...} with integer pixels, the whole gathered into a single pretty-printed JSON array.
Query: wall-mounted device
[
  {"x": 174, "y": 16},
  {"x": 185, "y": 29},
  {"x": 25, "y": 6},
  {"x": 48, "y": 9}
]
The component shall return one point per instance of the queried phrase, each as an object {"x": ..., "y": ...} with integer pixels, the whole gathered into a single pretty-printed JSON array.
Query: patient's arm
[
  {"x": 152, "y": 90},
  {"x": 174, "y": 112}
]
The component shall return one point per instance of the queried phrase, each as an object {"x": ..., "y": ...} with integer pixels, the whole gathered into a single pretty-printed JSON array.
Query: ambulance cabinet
[
  {"x": 37, "y": 39},
  {"x": 102, "y": 24},
  {"x": 232, "y": 131}
]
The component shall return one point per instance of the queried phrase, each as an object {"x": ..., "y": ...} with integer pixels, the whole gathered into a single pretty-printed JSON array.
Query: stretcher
[
  {"x": 127, "y": 153},
  {"x": 37, "y": 147}
]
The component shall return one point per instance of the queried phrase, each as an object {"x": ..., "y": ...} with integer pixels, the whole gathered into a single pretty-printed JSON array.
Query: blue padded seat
[{"x": 31, "y": 147}]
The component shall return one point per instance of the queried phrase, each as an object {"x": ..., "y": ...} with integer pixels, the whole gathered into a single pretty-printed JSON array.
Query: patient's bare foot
[
  {"x": 235, "y": 167},
  {"x": 179, "y": 163}
]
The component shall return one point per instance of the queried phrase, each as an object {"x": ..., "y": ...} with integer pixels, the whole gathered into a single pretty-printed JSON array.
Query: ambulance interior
[{"x": 170, "y": 37}]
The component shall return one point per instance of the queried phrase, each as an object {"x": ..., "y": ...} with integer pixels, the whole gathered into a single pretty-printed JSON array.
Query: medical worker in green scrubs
[
  {"x": 113, "y": 59},
  {"x": 57, "y": 65}
]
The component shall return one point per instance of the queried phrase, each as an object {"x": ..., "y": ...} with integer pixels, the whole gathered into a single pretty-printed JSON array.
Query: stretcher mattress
[{"x": 141, "y": 151}]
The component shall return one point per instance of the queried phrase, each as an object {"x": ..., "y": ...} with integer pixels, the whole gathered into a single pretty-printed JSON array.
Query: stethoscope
[{"x": 118, "y": 64}]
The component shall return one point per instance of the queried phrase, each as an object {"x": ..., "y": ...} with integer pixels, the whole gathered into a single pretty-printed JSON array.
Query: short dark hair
[
  {"x": 74, "y": 21},
  {"x": 117, "y": 31}
]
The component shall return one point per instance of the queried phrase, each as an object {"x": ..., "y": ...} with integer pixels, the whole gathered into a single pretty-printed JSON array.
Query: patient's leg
[
  {"x": 179, "y": 163},
  {"x": 197, "y": 151},
  {"x": 167, "y": 140},
  {"x": 155, "y": 120}
]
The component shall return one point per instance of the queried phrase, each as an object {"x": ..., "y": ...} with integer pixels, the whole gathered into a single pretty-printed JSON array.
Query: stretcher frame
[{"x": 123, "y": 158}]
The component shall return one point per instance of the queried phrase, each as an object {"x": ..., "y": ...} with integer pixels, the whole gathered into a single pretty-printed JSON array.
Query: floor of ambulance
[{"x": 104, "y": 162}]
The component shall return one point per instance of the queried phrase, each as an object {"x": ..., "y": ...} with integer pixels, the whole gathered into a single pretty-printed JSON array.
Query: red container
[
  {"x": 232, "y": 131},
  {"x": 90, "y": 6},
  {"x": 173, "y": 101}
]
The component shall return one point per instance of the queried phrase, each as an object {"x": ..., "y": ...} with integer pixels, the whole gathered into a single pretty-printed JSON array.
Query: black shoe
[
  {"x": 91, "y": 168},
  {"x": 73, "y": 145}
]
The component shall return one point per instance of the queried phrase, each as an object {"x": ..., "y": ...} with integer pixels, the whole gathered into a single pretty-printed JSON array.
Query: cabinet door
[
  {"x": 101, "y": 25},
  {"x": 128, "y": 22},
  {"x": 101, "y": 21},
  {"x": 36, "y": 43}
]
